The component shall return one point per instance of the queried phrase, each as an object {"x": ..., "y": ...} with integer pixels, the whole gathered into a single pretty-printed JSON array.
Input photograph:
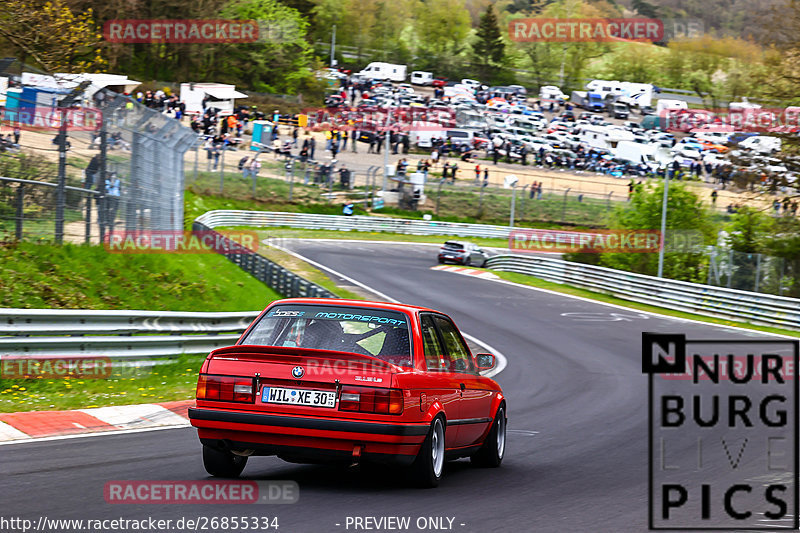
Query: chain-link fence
[
  {"x": 751, "y": 272},
  {"x": 111, "y": 163}
]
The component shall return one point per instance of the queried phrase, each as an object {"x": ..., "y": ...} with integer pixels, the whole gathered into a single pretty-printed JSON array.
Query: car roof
[{"x": 355, "y": 303}]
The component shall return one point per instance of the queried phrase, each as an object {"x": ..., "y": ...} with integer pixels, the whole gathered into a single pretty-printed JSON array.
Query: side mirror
[{"x": 485, "y": 361}]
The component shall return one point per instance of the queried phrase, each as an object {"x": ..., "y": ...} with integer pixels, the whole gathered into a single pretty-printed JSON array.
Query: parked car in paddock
[
  {"x": 329, "y": 380},
  {"x": 462, "y": 253}
]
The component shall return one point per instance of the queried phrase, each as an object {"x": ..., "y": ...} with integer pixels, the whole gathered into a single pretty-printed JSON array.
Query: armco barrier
[
  {"x": 214, "y": 219},
  {"x": 756, "y": 308},
  {"x": 116, "y": 334},
  {"x": 284, "y": 281}
]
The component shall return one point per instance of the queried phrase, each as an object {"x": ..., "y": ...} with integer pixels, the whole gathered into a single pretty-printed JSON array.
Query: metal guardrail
[
  {"x": 219, "y": 218},
  {"x": 284, "y": 281},
  {"x": 116, "y": 334},
  {"x": 85, "y": 322},
  {"x": 755, "y": 308}
]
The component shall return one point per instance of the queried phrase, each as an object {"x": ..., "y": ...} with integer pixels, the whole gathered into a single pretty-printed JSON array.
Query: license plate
[{"x": 310, "y": 398}]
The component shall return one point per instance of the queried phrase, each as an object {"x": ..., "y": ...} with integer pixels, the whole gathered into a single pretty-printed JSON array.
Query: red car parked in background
[{"x": 344, "y": 380}]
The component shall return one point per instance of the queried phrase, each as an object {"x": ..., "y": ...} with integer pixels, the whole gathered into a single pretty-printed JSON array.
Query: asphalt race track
[{"x": 576, "y": 458}]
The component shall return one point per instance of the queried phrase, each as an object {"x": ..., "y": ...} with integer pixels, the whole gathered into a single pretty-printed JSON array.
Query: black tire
[
  {"x": 426, "y": 471},
  {"x": 494, "y": 447},
  {"x": 441, "y": 261},
  {"x": 223, "y": 464},
  {"x": 467, "y": 262}
]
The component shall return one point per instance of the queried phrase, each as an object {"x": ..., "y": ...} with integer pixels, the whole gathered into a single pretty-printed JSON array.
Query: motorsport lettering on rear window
[{"x": 375, "y": 316}]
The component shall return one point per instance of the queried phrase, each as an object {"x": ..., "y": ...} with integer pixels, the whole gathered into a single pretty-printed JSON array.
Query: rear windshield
[
  {"x": 375, "y": 332},
  {"x": 453, "y": 246}
]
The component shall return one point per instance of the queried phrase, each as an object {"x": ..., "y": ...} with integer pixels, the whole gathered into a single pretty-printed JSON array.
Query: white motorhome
[
  {"x": 420, "y": 77},
  {"x": 633, "y": 94},
  {"x": 384, "y": 71},
  {"x": 603, "y": 137},
  {"x": 664, "y": 105},
  {"x": 220, "y": 96}
]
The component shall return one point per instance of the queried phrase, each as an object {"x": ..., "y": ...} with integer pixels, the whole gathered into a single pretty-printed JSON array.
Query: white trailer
[
  {"x": 384, "y": 71},
  {"x": 420, "y": 77},
  {"x": 220, "y": 96},
  {"x": 603, "y": 137}
]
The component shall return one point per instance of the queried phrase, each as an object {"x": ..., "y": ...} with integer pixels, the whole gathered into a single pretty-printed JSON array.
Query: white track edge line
[{"x": 92, "y": 434}]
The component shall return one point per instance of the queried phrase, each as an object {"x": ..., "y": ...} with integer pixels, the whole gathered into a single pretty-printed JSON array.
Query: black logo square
[{"x": 663, "y": 353}]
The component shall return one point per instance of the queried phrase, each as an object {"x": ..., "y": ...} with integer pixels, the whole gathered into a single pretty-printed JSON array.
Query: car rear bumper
[{"x": 308, "y": 438}]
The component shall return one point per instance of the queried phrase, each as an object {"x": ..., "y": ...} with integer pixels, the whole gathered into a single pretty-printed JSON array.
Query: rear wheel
[
  {"x": 223, "y": 463},
  {"x": 429, "y": 464},
  {"x": 494, "y": 447},
  {"x": 467, "y": 262}
]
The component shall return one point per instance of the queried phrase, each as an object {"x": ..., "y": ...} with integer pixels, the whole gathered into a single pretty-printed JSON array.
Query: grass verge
[
  {"x": 39, "y": 276},
  {"x": 168, "y": 379}
]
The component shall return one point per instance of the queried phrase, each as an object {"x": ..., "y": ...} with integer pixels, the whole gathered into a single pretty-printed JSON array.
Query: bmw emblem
[{"x": 298, "y": 372}]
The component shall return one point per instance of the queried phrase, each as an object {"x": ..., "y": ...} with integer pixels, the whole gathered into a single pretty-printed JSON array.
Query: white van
[
  {"x": 650, "y": 154},
  {"x": 384, "y": 71},
  {"x": 425, "y": 134},
  {"x": 460, "y": 136},
  {"x": 761, "y": 144},
  {"x": 420, "y": 77}
]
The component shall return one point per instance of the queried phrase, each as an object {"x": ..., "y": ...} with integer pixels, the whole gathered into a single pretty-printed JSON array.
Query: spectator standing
[
  {"x": 255, "y": 167},
  {"x": 244, "y": 166},
  {"x": 111, "y": 200},
  {"x": 17, "y": 133},
  {"x": 91, "y": 172}
]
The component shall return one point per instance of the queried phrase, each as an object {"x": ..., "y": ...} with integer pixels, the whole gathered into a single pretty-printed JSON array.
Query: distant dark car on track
[
  {"x": 462, "y": 253},
  {"x": 349, "y": 381}
]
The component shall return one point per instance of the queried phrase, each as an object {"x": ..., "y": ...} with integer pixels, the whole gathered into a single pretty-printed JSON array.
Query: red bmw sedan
[{"x": 318, "y": 380}]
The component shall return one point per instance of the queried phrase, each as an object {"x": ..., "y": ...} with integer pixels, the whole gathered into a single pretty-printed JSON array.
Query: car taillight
[
  {"x": 226, "y": 388},
  {"x": 370, "y": 400}
]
